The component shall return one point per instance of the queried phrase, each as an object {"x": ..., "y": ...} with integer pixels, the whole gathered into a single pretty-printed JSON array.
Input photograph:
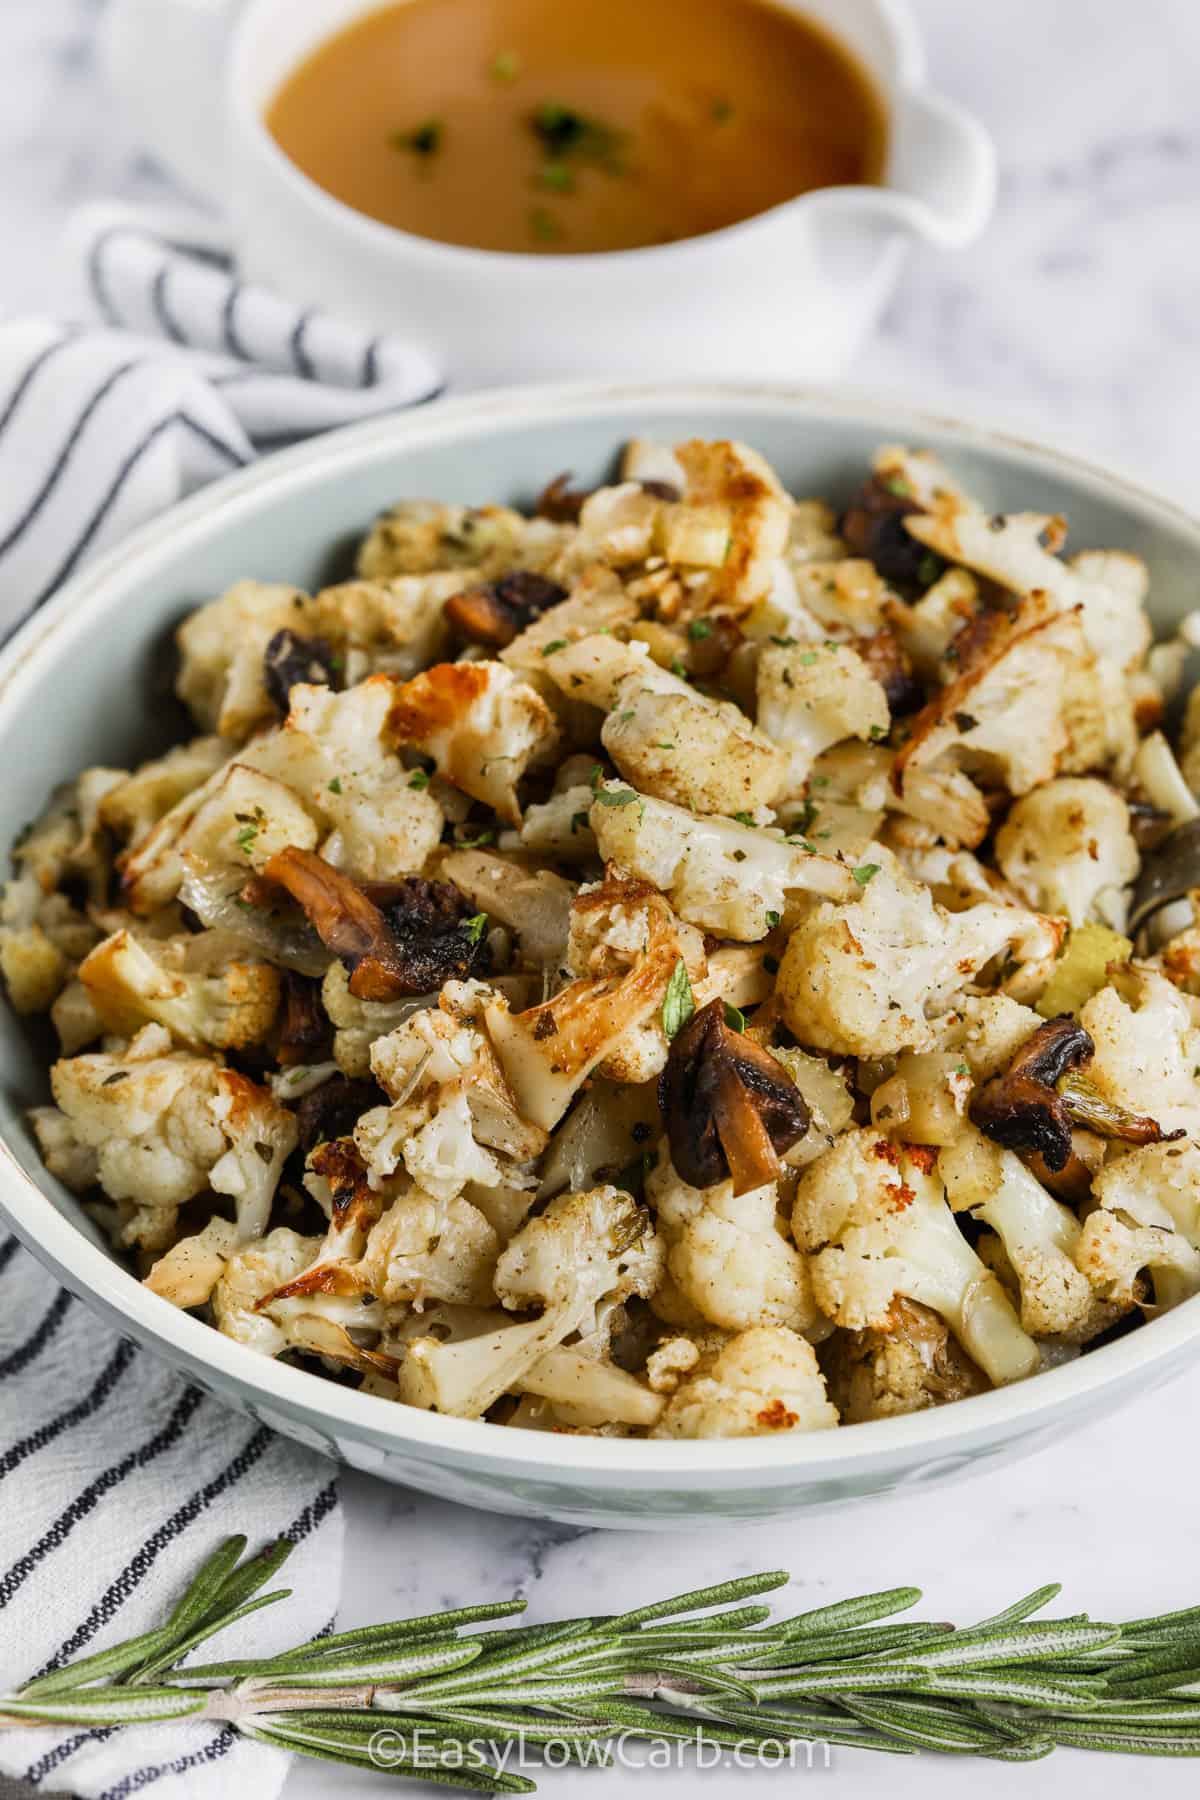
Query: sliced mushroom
[
  {"x": 306, "y": 1033},
  {"x": 1034, "y": 1105},
  {"x": 420, "y": 938},
  {"x": 290, "y": 658},
  {"x": 1168, "y": 873},
  {"x": 873, "y": 527},
  {"x": 495, "y": 614},
  {"x": 334, "y": 1109},
  {"x": 889, "y": 663},
  {"x": 729, "y": 1108},
  {"x": 560, "y": 502}
]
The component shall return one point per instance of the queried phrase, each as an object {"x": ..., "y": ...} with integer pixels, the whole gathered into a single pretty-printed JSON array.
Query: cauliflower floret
[
  {"x": 1005, "y": 715},
  {"x": 418, "y": 536},
  {"x": 987, "y": 1030},
  {"x": 586, "y": 1249},
  {"x": 558, "y": 828},
  {"x": 360, "y": 1023},
  {"x": 1147, "y": 1216},
  {"x": 482, "y": 726},
  {"x": 135, "y": 805},
  {"x": 425, "y": 1249},
  {"x": 665, "y": 737},
  {"x": 251, "y": 1304},
  {"x": 811, "y": 696},
  {"x": 726, "y": 478},
  {"x": 630, "y": 942},
  {"x": 1039, "y": 1234},
  {"x": 863, "y": 979},
  {"x": 1067, "y": 848},
  {"x": 725, "y": 877},
  {"x": 221, "y": 649},
  {"x": 764, "y": 1380},
  {"x": 452, "y": 1119},
  {"x": 327, "y": 778},
  {"x": 1147, "y": 1048},
  {"x": 195, "y": 987},
  {"x": 165, "y": 1125},
  {"x": 66, "y": 1156},
  {"x": 876, "y": 1217},
  {"x": 728, "y": 1256},
  {"x": 910, "y": 1363},
  {"x": 191, "y": 1269}
]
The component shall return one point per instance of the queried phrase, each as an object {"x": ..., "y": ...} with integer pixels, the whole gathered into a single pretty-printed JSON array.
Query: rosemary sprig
[{"x": 438, "y": 1699}]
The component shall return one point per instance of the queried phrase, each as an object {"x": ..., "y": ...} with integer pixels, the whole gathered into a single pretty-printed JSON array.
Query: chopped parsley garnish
[
  {"x": 335, "y": 786},
  {"x": 563, "y": 132},
  {"x": 677, "y": 668},
  {"x": 558, "y": 177},
  {"x": 622, "y": 716},
  {"x": 476, "y": 926},
  {"x": 896, "y": 484},
  {"x": 679, "y": 1003},
  {"x": 246, "y": 836},
  {"x": 929, "y": 569},
  {"x": 735, "y": 1020},
  {"x": 865, "y": 872},
  {"x": 505, "y": 67},
  {"x": 962, "y": 1069},
  {"x": 745, "y": 818},
  {"x": 553, "y": 645},
  {"x": 419, "y": 779},
  {"x": 700, "y": 628},
  {"x": 771, "y": 964},
  {"x": 486, "y": 836},
  {"x": 785, "y": 643},
  {"x": 722, "y": 112},
  {"x": 579, "y": 822},
  {"x": 807, "y": 660},
  {"x": 424, "y": 140},
  {"x": 544, "y": 226},
  {"x": 622, "y": 797},
  {"x": 877, "y": 733},
  {"x": 772, "y": 919}
]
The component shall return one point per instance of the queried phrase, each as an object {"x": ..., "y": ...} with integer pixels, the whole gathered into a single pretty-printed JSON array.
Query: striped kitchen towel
[
  {"x": 117, "y": 1478},
  {"x": 179, "y": 373}
]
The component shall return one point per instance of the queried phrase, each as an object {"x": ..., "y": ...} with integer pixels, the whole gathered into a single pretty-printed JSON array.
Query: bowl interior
[{"x": 89, "y": 679}]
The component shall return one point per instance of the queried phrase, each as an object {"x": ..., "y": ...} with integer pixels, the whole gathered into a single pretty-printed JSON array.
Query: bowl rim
[{"x": 181, "y": 1338}]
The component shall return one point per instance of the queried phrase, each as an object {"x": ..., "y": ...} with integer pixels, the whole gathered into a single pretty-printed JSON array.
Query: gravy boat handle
[{"x": 941, "y": 182}]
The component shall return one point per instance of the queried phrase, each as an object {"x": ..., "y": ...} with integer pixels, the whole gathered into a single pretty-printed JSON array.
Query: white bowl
[{"x": 77, "y": 686}]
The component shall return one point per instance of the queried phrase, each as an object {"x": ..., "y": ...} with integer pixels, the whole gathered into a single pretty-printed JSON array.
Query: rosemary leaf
[
  {"x": 107, "y": 1706},
  {"x": 176, "y": 1651},
  {"x": 1021, "y": 1609},
  {"x": 105, "y": 1665},
  {"x": 743, "y": 1588},
  {"x": 491, "y": 1781},
  {"x": 845, "y": 1613}
]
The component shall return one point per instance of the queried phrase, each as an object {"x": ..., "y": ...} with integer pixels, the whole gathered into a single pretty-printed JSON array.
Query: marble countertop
[{"x": 1076, "y": 319}]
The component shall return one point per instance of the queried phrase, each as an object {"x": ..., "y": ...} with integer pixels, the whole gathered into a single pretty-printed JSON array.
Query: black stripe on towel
[
  {"x": 161, "y": 305},
  {"x": 36, "y": 1342},
  {"x": 31, "y": 369},
  {"x": 85, "y": 1502},
  {"x": 8, "y": 1249},
  {"x": 117, "y": 1366},
  {"x": 113, "y": 493},
  {"x": 64, "y": 456},
  {"x": 139, "y": 1566},
  {"x": 216, "y": 1747}
]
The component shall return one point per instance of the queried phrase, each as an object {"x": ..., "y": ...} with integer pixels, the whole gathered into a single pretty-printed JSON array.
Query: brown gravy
[{"x": 578, "y": 125}]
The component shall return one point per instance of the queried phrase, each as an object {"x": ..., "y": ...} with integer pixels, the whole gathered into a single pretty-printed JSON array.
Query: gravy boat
[{"x": 787, "y": 294}]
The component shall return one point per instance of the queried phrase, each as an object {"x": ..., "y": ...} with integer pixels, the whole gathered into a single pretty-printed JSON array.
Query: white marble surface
[{"x": 1078, "y": 319}]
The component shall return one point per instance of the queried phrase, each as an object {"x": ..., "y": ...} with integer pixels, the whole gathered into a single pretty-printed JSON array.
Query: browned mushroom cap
[
  {"x": 889, "y": 663},
  {"x": 1035, "y": 1104},
  {"x": 729, "y": 1108},
  {"x": 334, "y": 1109},
  {"x": 345, "y": 921},
  {"x": 494, "y": 614},
  {"x": 306, "y": 1032},
  {"x": 418, "y": 936},
  {"x": 873, "y": 527},
  {"x": 290, "y": 658},
  {"x": 561, "y": 502}
]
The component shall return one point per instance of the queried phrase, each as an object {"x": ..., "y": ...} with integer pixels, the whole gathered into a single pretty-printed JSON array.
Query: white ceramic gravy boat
[{"x": 787, "y": 294}]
